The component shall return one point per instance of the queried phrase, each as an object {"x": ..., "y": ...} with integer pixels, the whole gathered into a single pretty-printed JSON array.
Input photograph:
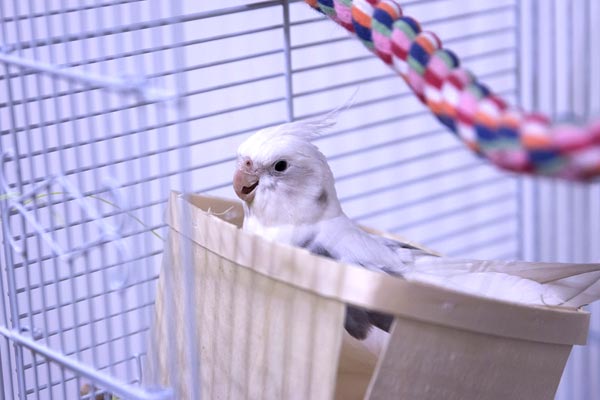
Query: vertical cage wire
[
  {"x": 76, "y": 201},
  {"x": 559, "y": 55}
]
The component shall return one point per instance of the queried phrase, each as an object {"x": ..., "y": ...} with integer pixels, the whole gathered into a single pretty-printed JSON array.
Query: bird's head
[{"x": 283, "y": 178}]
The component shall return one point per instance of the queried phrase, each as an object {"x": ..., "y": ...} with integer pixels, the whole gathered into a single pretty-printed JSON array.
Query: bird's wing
[
  {"x": 572, "y": 285},
  {"x": 343, "y": 240}
]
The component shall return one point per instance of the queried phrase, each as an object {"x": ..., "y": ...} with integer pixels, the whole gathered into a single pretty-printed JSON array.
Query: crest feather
[
  {"x": 291, "y": 134},
  {"x": 315, "y": 126}
]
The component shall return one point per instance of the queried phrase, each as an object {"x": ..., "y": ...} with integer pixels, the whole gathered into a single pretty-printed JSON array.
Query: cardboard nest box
[{"x": 266, "y": 322}]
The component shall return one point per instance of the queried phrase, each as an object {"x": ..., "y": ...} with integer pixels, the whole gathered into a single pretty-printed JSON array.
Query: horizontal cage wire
[{"x": 109, "y": 105}]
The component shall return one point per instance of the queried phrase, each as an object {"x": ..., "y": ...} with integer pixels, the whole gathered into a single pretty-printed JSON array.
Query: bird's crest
[
  {"x": 294, "y": 134},
  {"x": 310, "y": 128},
  {"x": 313, "y": 127}
]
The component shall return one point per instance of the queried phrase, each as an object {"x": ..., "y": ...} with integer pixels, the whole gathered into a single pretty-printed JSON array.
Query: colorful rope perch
[{"x": 512, "y": 139}]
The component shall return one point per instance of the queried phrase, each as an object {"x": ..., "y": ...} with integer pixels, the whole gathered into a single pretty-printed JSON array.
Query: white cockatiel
[{"x": 289, "y": 196}]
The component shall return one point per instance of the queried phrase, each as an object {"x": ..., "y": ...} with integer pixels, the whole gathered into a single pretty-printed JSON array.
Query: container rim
[{"x": 215, "y": 225}]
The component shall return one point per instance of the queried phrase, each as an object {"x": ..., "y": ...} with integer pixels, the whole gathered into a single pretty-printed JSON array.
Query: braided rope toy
[{"x": 510, "y": 138}]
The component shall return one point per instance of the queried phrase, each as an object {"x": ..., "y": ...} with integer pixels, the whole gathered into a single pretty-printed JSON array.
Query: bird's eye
[{"x": 280, "y": 166}]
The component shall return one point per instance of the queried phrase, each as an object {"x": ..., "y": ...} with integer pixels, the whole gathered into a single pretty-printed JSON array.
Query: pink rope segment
[{"x": 510, "y": 138}]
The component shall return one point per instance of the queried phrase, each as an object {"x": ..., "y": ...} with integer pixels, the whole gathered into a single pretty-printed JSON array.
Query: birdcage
[{"x": 107, "y": 106}]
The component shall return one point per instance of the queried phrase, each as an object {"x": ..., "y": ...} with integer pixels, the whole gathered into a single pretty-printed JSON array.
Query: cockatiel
[{"x": 289, "y": 196}]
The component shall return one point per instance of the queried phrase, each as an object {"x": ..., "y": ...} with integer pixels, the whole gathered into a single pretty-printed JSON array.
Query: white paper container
[{"x": 269, "y": 325}]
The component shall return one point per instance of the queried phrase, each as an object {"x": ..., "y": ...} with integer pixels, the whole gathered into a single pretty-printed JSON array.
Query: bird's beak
[{"x": 245, "y": 184}]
